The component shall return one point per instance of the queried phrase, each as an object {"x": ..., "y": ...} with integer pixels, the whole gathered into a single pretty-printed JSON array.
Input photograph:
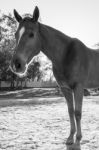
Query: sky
[{"x": 75, "y": 18}]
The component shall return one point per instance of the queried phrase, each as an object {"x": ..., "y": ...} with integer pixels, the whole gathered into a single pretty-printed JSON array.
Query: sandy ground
[{"x": 43, "y": 123}]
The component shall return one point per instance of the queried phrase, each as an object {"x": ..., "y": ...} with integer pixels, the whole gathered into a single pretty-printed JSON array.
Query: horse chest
[{"x": 63, "y": 76}]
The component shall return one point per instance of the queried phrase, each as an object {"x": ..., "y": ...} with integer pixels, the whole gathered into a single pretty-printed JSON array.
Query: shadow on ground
[
  {"x": 30, "y": 93},
  {"x": 35, "y": 96}
]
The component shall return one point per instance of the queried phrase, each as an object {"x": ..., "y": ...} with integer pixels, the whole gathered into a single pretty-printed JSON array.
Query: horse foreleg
[
  {"x": 69, "y": 98},
  {"x": 67, "y": 92},
  {"x": 78, "y": 98}
]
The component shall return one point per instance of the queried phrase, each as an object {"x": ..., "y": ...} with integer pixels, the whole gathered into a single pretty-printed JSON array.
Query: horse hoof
[
  {"x": 73, "y": 147},
  {"x": 69, "y": 141}
]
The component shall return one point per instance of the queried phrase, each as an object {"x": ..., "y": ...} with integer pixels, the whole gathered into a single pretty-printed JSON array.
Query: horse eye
[{"x": 31, "y": 35}]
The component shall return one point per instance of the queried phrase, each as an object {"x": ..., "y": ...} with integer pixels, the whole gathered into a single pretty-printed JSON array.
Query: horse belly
[
  {"x": 92, "y": 84},
  {"x": 93, "y": 80}
]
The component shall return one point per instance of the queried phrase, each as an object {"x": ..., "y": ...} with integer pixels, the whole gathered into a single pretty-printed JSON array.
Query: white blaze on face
[{"x": 21, "y": 32}]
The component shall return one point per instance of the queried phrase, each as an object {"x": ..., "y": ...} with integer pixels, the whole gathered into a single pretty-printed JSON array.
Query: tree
[
  {"x": 34, "y": 71},
  {"x": 8, "y": 27},
  {"x": 5, "y": 72}
]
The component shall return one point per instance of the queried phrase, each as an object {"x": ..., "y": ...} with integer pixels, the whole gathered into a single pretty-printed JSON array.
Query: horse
[{"x": 74, "y": 65}]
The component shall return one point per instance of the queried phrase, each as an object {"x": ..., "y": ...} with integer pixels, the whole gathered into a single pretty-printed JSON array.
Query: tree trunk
[
  {"x": 25, "y": 83},
  {"x": 0, "y": 84},
  {"x": 17, "y": 83}
]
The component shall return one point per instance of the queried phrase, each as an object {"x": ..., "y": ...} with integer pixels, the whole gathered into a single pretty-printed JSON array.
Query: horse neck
[{"x": 54, "y": 43}]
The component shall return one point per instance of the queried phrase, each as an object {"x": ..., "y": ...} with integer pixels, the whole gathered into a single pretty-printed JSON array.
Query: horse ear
[
  {"x": 17, "y": 16},
  {"x": 36, "y": 14}
]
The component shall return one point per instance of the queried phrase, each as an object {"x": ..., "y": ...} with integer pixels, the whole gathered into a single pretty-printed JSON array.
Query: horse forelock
[{"x": 27, "y": 19}]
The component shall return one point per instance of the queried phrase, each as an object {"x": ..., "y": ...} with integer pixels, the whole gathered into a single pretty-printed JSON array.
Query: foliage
[
  {"x": 7, "y": 29},
  {"x": 34, "y": 71}
]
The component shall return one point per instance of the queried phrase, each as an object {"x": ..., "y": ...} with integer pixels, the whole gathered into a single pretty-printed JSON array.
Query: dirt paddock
[{"x": 42, "y": 123}]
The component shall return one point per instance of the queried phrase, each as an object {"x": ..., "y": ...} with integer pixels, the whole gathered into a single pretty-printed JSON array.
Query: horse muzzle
[{"x": 18, "y": 66}]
